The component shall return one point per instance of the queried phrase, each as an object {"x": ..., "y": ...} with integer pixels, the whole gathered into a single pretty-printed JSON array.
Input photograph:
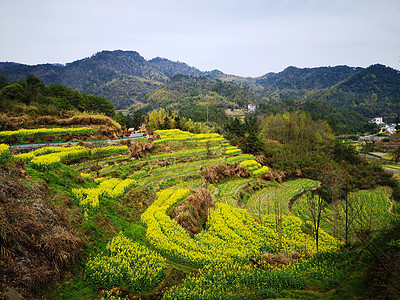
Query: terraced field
[{"x": 229, "y": 257}]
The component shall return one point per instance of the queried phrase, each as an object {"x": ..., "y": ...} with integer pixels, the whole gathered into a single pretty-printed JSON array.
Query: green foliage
[
  {"x": 121, "y": 119},
  {"x": 14, "y": 91},
  {"x": 245, "y": 135},
  {"x": 32, "y": 91},
  {"x": 185, "y": 91},
  {"x": 231, "y": 236},
  {"x": 160, "y": 119},
  {"x": 293, "y": 78},
  {"x": 198, "y": 113},
  {"x": 135, "y": 119}
]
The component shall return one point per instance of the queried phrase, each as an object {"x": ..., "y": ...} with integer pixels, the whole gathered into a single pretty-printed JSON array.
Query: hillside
[
  {"x": 373, "y": 91},
  {"x": 293, "y": 78},
  {"x": 183, "y": 92},
  {"x": 94, "y": 75},
  {"x": 125, "y": 78},
  {"x": 188, "y": 216}
]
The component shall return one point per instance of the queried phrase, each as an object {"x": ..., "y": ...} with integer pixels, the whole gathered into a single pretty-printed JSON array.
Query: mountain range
[{"x": 125, "y": 78}]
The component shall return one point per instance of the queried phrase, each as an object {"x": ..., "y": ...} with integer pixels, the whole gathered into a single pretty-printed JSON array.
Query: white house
[
  {"x": 390, "y": 128},
  {"x": 251, "y": 107},
  {"x": 377, "y": 121}
]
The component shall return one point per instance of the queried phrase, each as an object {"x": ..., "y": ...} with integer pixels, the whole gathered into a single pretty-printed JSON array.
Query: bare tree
[{"x": 315, "y": 205}]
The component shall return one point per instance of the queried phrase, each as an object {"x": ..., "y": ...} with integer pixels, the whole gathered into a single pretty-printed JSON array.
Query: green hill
[
  {"x": 126, "y": 79},
  {"x": 293, "y": 78},
  {"x": 97, "y": 73}
]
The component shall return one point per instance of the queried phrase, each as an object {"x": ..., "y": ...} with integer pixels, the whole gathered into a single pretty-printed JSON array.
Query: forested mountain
[
  {"x": 122, "y": 71},
  {"x": 125, "y": 78},
  {"x": 181, "y": 91},
  {"x": 307, "y": 78}
]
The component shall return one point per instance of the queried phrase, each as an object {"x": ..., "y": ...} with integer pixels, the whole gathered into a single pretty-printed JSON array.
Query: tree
[
  {"x": 121, "y": 119},
  {"x": 315, "y": 206},
  {"x": 252, "y": 142},
  {"x": 178, "y": 122},
  {"x": 34, "y": 85},
  {"x": 3, "y": 81},
  {"x": 15, "y": 91},
  {"x": 135, "y": 120},
  {"x": 167, "y": 124},
  {"x": 396, "y": 154}
]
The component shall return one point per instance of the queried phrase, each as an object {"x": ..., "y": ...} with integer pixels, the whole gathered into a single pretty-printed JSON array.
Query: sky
[{"x": 245, "y": 38}]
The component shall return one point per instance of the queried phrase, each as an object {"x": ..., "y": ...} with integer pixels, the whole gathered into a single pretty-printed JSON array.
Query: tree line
[{"x": 54, "y": 97}]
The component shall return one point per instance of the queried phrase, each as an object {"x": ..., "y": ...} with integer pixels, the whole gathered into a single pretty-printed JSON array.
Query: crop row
[
  {"x": 367, "y": 210},
  {"x": 166, "y": 235},
  {"x": 173, "y": 171},
  {"x": 185, "y": 136},
  {"x": 184, "y": 153},
  {"x": 236, "y": 281},
  {"x": 276, "y": 198},
  {"x": 51, "y": 157},
  {"x": 231, "y": 151},
  {"x": 126, "y": 263},
  {"x": 232, "y": 234},
  {"x": 89, "y": 198},
  {"x": 239, "y": 158},
  {"x": 233, "y": 281},
  {"x": 254, "y": 167},
  {"x": 228, "y": 190},
  {"x": 171, "y": 240},
  {"x": 25, "y": 133}
]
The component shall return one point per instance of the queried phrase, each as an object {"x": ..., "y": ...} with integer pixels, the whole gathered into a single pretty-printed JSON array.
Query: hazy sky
[{"x": 248, "y": 38}]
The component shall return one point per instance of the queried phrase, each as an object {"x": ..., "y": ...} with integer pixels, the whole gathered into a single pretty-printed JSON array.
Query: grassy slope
[{"x": 124, "y": 215}]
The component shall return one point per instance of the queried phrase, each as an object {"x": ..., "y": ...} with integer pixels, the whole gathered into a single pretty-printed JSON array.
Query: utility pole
[{"x": 207, "y": 107}]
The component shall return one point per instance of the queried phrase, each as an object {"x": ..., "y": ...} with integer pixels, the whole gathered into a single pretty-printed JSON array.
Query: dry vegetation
[
  {"x": 221, "y": 171},
  {"x": 192, "y": 213},
  {"x": 37, "y": 243},
  {"x": 140, "y": 148},
  {"x": 69, "y": 118}
]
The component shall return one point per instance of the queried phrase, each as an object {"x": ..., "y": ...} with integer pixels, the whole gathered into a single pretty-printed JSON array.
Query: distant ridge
[{"x": 126, "y": 78}]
